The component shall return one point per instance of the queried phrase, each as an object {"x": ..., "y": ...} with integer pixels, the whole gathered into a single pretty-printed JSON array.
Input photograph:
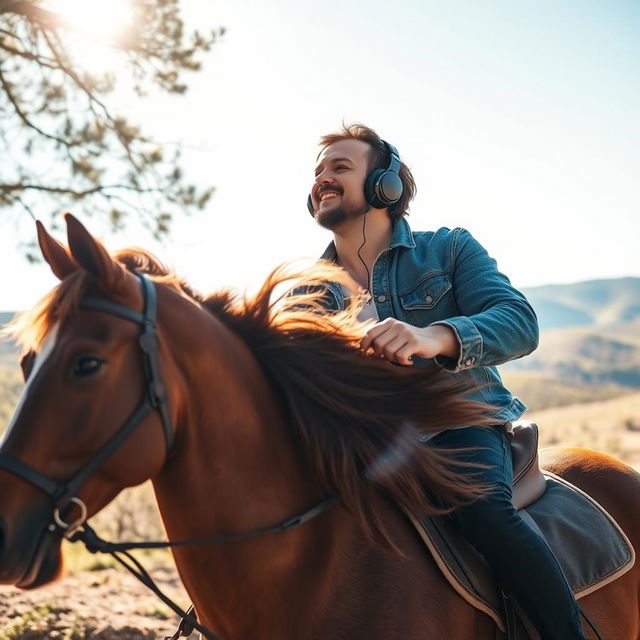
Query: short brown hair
[{"x": 378, "y": 159}]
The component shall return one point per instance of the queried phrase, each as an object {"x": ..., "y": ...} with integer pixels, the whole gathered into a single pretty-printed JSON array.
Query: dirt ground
[{"x": 92, "y": 605}]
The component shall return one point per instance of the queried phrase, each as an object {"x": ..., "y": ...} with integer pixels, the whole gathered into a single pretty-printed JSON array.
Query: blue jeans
[{"x": 521, "y": 561}]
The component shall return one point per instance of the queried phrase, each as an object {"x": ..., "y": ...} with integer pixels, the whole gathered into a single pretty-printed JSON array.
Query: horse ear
[
  {"x": 55, "y": 253},
  {"x": 93, "y": 257}
]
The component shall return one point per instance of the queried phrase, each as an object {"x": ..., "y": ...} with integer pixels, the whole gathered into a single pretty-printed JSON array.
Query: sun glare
[{"x": 94, "y": 27}]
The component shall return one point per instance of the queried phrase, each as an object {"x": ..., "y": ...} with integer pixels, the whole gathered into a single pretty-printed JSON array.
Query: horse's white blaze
[{"x": 48, "y": 345}]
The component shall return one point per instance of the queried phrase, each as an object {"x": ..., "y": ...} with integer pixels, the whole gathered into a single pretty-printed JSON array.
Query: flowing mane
[{"x": 357, "y": 420}]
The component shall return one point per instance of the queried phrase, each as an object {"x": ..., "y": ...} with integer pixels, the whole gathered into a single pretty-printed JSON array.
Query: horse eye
[{"x": 87, "y": 366}]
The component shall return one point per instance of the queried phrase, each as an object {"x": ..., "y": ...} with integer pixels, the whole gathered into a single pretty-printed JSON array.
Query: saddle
[{"x": 589, "y": 545}]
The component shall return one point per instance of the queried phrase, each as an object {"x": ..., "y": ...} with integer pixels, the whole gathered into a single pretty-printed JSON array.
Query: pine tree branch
[
  {"x": 22, "y": 186},
  {"x": 21, "y": 114},
  {"x": 27, "y": 55}
]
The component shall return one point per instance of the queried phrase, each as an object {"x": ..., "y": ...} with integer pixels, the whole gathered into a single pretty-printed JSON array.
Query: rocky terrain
[{"x": 106, "y": 604}]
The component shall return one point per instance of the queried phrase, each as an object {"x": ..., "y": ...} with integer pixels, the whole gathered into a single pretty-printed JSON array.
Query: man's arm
[{"x": 496, "y": 324}]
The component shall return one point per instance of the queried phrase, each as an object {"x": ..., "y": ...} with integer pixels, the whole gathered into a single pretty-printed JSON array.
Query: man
[{"x": 439, "y": 295}]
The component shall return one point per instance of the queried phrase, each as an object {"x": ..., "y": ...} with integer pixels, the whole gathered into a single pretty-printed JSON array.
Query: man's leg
[{"x": 519, "y": 558}]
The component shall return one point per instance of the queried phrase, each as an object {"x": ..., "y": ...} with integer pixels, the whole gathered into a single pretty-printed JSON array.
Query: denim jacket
[{"x": 446, "y": 277}]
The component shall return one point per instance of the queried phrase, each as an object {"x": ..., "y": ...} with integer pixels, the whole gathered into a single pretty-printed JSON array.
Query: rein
[
  {"x": 120, "y": 552},
  {"x": 155, "y": 398}
]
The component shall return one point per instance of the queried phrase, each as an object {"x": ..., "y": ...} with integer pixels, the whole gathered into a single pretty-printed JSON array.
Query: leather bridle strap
[
  {"x": 49, "y": 486},
  {"x": 154, "y": 398},
  {"x": 95, "y": 544},
  {"x": 156, "y": 392}
]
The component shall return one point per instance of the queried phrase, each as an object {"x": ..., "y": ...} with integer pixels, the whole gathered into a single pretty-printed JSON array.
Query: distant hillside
[
  {"x": 591, "y": 303},
  {"x": 539, "y": 391},
  {"x": 588, "y": 357}
]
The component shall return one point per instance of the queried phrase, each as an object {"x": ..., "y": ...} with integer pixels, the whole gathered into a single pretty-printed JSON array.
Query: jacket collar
[{"x": 400, "y": 237}]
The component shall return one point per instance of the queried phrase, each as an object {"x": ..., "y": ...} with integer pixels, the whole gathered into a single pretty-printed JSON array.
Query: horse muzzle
[{"x": 30, "y": 553}]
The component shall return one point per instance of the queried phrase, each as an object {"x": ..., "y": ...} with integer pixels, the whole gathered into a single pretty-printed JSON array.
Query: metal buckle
[{"x": 71, "y": 527}]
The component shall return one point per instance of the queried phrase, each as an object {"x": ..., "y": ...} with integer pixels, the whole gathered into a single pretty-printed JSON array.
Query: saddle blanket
[{"x": 589, "y": 545}]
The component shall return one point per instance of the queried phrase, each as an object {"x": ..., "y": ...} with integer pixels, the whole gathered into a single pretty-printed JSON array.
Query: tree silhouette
[{"x": 61, "y": 143}]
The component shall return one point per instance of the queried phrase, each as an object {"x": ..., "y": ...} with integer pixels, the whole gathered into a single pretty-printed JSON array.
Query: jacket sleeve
[{"x": 497, "y": 323}]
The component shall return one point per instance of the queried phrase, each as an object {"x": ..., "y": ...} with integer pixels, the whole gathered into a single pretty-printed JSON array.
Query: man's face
[{"x": 338, "y": 191}]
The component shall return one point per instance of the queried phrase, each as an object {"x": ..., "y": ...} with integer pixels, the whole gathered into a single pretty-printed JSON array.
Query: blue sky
[{"x": 519, "y": 120}]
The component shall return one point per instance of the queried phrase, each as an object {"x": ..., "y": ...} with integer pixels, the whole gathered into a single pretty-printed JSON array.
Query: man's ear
[{"x": 55, "y": 253}]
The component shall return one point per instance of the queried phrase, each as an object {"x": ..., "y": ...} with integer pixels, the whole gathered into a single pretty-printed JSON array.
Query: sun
[{"x": 93, "y": 27}]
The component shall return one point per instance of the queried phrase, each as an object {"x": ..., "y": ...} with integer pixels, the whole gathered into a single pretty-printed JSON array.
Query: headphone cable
[{"x": 364, "y": 241}]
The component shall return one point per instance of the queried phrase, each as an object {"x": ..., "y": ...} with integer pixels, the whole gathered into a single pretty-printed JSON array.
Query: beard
[{"x": 334, "y": 217}]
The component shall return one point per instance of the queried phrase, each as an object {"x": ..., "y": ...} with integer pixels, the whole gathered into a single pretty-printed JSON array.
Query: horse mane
[{"x": 359, "y": 421}]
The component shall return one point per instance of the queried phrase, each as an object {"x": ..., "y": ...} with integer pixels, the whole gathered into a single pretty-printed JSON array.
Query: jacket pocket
[{"x": 427, "y": 294}]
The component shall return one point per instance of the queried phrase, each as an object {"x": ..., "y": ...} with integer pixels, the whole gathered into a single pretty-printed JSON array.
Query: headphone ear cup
[
  {"x": 382, "y": 188},
  {"x": 310, "y": 206},
  {"x": 389, "y": 188}
]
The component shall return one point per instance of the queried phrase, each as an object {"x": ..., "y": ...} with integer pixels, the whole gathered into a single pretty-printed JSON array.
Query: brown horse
[{"x": 271, "y": 408}]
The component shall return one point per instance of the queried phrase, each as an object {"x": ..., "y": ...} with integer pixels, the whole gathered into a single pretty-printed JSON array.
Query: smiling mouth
[{"x": 329, "y": 195}]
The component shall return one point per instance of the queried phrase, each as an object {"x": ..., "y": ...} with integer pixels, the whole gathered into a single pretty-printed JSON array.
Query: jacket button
[
  {"x": 382, "y": 298},
  {"x": 469, "y": 361},
  {"x": 428, "y": 299}
]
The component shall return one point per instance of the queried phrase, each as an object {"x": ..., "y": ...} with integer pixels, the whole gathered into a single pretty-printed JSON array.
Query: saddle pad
[{"x": 589, "y": 545}]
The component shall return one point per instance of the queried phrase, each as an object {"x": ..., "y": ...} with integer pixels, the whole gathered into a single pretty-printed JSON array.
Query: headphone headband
[{"x": 394, "y": 157}]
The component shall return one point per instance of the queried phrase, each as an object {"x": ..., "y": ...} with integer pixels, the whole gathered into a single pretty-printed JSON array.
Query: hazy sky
[{"x": 520, "y": 121}]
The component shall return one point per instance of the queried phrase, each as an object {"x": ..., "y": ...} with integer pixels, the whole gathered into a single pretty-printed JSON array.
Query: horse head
[{"x": 84, "y": 375}]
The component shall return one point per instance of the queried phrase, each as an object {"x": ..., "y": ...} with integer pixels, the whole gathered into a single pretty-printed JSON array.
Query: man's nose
[{"x": 324, "y": 177}]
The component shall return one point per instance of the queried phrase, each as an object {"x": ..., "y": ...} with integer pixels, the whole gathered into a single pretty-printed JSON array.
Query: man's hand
[{"x": 398, "y": 341}]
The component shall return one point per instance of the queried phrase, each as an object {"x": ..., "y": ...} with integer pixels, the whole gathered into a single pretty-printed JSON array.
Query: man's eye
[{"x": 87, "y": 366}]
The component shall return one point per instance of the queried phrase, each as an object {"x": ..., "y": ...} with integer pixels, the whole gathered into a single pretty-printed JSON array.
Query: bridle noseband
[{"x": 155, "y": 398}]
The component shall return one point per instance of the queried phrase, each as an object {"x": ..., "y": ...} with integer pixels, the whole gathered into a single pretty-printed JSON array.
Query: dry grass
[
  {"x": 10, "y": 388},
  {"x": 612, "y": 426}
]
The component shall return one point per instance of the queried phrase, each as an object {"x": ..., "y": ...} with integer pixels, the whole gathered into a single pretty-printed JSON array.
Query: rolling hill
[
  {"x": 589, "y": 345},
  {"x": 591, "y": 303},
  {"x": 589, "y": 356}
]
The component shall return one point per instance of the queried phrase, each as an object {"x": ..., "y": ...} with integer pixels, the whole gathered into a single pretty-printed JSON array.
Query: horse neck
[
  {"x": 232, "y": 451},
  {"x": 234, "y": 469}
]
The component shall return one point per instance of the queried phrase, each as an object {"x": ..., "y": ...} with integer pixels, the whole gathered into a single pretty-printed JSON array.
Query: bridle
[
  {"x": 64, "y": 494},
  {"x": 155, "y": 398}
]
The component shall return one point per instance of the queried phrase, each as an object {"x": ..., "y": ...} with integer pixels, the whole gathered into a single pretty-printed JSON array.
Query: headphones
[{"x": 383, "y": 187}]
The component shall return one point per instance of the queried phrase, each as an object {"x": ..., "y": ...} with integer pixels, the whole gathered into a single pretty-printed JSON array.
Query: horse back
[
  {"x": 616, "y": 487},
  {"x": 610, "y": 482}
]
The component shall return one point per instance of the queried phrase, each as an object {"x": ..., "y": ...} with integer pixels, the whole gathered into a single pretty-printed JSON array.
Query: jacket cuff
[{"x": 469, "y": 340}]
